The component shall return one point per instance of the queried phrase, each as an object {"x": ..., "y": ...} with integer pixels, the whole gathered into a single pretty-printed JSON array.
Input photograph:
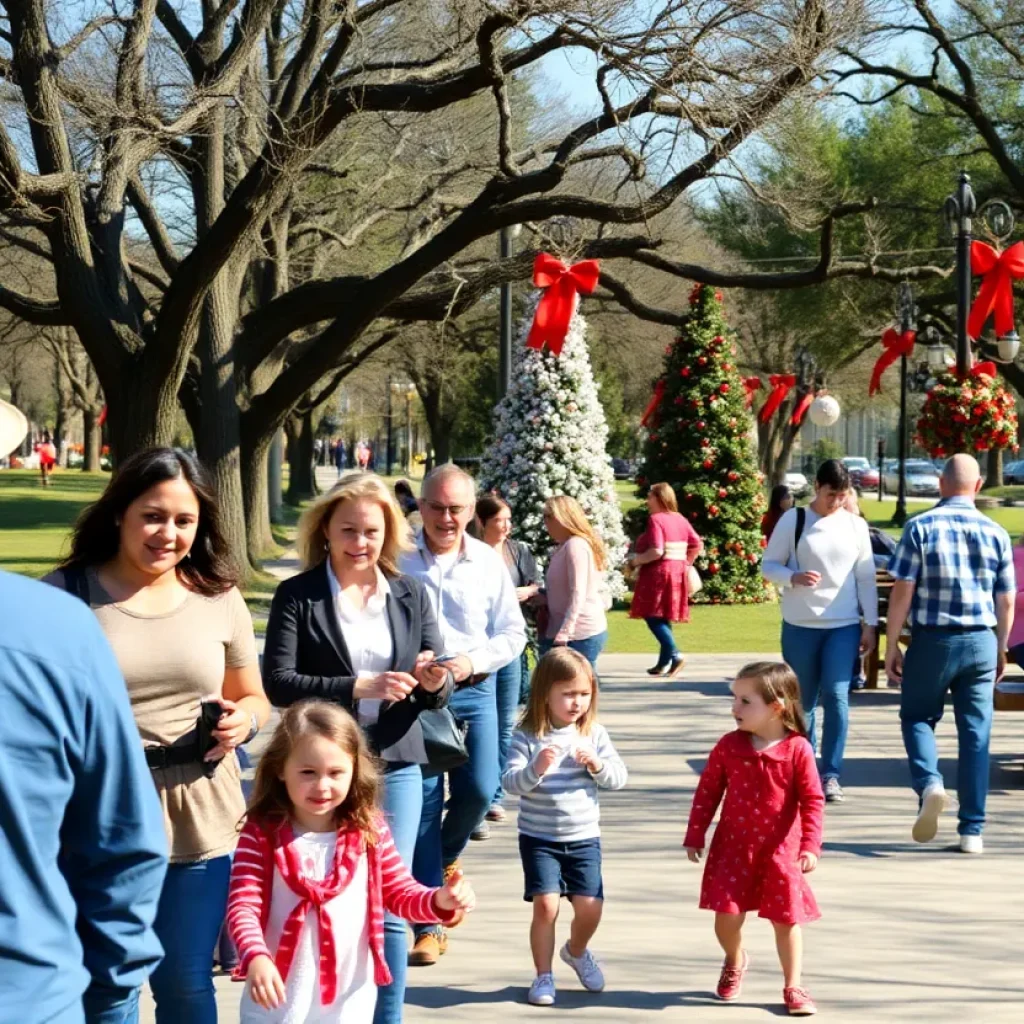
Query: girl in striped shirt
[
  {"x": 557, "y": 761},
  {"x": 314, "y": 871}
]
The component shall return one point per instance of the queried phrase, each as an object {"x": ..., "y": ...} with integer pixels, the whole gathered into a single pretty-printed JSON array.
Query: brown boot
[{"x": 428, "y": 948}]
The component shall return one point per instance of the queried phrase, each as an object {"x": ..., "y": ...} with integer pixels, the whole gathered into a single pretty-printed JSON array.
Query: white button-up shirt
[
  {"x": 367, "y": 634},
  {"x": 474, "y": 600}
]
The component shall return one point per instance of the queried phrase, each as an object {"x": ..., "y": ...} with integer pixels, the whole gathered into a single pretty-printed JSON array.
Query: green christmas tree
[{"x": 700, "y": 442}]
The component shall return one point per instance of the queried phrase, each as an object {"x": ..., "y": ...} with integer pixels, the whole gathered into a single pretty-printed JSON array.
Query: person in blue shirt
[{"x": 82, "y": 846}]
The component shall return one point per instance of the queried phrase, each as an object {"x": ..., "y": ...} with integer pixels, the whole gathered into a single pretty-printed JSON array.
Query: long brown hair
[
  {"x": 270, "y": 803},
  {"x": 777, "y": 684},
  {"x": 208, "y": 569},
  {"x": 559, "y": 665},
  {"x": 569, "y": 514}
]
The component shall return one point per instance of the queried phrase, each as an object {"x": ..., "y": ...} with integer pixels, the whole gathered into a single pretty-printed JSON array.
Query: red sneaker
[
  {"x": 730, "y": 981},
  {"x": 799, "y": 1002}
]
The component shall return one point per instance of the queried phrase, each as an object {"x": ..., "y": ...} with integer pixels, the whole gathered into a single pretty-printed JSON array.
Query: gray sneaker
[
  {"x": 542, "y": 991},
  {"x": 586, "y": 968},
  {"x": 833, "y": 791}
]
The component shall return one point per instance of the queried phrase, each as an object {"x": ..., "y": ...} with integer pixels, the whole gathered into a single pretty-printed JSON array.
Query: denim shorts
[{"x": 569, "y": 869}]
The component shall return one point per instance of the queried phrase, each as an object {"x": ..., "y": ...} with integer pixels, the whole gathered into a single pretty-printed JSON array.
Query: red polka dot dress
[{"x": 773, "y": 813}]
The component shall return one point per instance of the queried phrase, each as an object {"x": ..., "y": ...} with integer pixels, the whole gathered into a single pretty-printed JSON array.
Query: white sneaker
[
  {"x": 542, "y": 991},
  {"x": 971, "y": 844},
  {"x": 586, "y": 968},
  {"x": 933, "y": 802}
]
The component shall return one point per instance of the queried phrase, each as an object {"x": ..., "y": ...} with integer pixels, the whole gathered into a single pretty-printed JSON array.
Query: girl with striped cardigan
[{"x": 314, "y": 872}]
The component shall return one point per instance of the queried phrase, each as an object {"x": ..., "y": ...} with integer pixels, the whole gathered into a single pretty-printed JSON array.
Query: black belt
[
  {"x": 950, "y": 629},
  {"x": 185, "y": 751}
]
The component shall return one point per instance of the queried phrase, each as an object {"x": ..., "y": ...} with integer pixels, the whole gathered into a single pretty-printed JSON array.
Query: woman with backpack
[{"x": 820, "y": 556}]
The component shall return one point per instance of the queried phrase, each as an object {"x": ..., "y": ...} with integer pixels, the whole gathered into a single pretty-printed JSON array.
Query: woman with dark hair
[
  {"x": 663, "y": 553},
  {"x": 494, "y": 527},
  {"x": 780, "y": 502},
  {"x": 151, "y": 561},
  {"x": 820, "y": 556}
]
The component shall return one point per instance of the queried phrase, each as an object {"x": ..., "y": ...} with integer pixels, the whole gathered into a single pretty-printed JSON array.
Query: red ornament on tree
[
  {"x": 722, "y": 492},
  {"x": 723, "y": 388},
  {"x": 684, "y": 372},
  {"x": 708, "y": 463}
]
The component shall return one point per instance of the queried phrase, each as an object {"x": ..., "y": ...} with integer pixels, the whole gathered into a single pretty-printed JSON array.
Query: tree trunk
[
  {"x": 142, "y": 414},
  {"x": 259, "y": 538},
  {"x": 92, "y": 441},
  {"x": 994, "y": 469},
  {"x": 301, "y": 473},
  {"x": 219, "y": 438}
]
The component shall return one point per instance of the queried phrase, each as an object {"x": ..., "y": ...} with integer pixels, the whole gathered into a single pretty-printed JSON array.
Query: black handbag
[{"x": 444, "y": 740}]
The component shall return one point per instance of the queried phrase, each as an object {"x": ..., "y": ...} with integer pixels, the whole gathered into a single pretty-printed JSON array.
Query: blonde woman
[
  {"x": 351, "y": 629},
  {"x": 573, "y": 582}
]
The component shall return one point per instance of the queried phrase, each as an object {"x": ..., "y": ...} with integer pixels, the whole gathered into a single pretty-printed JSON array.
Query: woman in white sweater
[{"x": 829, "y": 607}]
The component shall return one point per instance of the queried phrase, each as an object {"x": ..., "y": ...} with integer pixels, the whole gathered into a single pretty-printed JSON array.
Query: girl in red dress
[
  {"x": 663, "y": 554},
  {"x": 47, "y": 452},
  {"x": 769, "y": 832}
]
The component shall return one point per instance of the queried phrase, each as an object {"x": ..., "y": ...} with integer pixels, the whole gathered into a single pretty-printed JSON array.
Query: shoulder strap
[
  {"x": 75, "y": 582},
  {"x": 801, "y": 521}
]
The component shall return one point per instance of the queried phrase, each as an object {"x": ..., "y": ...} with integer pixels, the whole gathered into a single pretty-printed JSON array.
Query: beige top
[{"x": 171, "y": 662}]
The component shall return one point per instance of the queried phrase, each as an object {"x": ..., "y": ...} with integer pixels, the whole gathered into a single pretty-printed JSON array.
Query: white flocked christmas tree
[{"x": 550, "y": 435}]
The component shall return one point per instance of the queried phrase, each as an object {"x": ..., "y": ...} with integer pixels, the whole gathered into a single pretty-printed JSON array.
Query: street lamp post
[
  {"x": 960, "y": 208},
  {"x": 907, "y": 316},
  {"x": 391, "y": 442},
  {"x": 505, "y": 238}
]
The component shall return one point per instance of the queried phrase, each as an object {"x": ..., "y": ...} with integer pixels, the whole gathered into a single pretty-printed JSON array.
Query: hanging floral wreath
[{"x": 973, "y": 413}]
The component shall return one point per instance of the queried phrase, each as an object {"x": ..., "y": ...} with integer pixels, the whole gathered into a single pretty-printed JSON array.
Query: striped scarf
[{"x": 315, "y": 896}]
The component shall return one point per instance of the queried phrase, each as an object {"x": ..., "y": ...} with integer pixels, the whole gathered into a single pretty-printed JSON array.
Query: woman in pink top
[
  {"x": 1015, "y": 644},
  {"x": 574, "y": 581}
]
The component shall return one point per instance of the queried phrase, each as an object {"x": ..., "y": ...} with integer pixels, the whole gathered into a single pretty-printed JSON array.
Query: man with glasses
[{"x": 478, "y": 612}]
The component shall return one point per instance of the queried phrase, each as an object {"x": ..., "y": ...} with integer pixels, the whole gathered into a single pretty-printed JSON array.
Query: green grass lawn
[{"x": 34, "y": 525}]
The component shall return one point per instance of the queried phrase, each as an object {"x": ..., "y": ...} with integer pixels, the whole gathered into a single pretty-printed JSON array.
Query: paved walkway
[{"x": 908, "y": 933}]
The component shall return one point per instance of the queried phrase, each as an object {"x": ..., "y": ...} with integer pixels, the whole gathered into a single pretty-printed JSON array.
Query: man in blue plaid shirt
[{"x": 955, "y": 584}]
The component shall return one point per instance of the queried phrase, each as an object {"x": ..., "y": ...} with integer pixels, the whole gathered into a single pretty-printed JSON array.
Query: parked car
[
  {"x": 623, "y": 469},
  {"x": 863, "y": 475},
  {"x": 1013, "y": 472},
  {"x": 798, "y": 485},
  {"x": 922, "y": 479}
]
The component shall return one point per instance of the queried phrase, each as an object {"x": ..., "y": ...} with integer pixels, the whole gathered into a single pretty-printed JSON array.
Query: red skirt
[{"x": 660, "y": 592}]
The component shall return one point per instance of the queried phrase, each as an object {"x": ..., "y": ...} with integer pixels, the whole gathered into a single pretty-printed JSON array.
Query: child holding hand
[
  {"x": 314, "y": 872},
  {"x": 769, "y": 833},
  {"x": 557, "y": 761}
]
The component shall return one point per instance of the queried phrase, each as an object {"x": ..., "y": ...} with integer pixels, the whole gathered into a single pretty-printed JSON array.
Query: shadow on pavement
[{"x": 626, "y": 999}]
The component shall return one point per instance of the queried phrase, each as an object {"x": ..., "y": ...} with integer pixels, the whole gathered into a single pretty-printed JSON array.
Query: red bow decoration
[
  {"x": 983, "y": 370},
  {"x": 800, "y": 411},
  {"x": 750, "y": 385},
  {"x": 896, "y": 345},
  {"x": 102, "y": 418},
  {"x": 995, "y": 296},
  {"x": 652, "y": 405},
  {"x": 562, "y": 285},
  {"x": 781, "y": 383}
]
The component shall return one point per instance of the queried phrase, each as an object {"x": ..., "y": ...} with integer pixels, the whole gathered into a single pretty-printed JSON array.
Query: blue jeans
[
  {"x": 662, "y": 630},
  {"x": 471, "y": 788},
  {"x": 188, "y": 919},
  {"x": 110, "y": 1007},
  {"x": 403, "y": 804},
  {"x": 964, "y": 664},
  {"x": 508, "y": 683},
  {"x": 590, "y": 646},
  {"x": 822, "y": 660}
]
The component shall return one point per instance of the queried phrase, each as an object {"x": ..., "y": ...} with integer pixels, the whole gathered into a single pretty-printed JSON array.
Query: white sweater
[{"x": 839, "y": 547}]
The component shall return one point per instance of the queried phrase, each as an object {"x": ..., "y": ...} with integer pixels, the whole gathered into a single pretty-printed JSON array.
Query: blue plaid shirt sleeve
[
  {"x": 905, "y": 563},
  {"x": 1006, "y": 578}
]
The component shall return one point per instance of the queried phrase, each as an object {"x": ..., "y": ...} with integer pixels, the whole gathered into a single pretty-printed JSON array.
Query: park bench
[
  {"x": 1009, "y": 693},
  {"x": 873, "y": 661}
]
